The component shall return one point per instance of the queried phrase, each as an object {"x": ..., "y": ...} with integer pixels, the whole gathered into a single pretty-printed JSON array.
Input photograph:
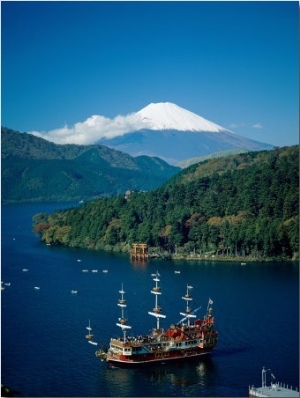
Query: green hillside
[
  {"x": 34, "y": 169},
  {"x": 245, "y": 206}
]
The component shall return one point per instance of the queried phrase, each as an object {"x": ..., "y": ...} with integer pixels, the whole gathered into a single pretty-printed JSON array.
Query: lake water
[{"x": 44, "y": 349}]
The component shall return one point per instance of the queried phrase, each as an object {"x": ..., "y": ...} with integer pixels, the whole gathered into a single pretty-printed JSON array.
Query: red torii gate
[{"x": 140, "y": 251}]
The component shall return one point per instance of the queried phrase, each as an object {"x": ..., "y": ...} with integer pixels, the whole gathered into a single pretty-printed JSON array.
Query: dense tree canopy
[{"x": 243, "y": 205}]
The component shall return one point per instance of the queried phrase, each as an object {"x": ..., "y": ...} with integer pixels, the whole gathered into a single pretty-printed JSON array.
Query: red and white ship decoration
[{"x": 188, "y": 339}]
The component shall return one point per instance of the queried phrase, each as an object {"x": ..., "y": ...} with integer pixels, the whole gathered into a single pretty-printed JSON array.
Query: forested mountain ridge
[
  {"x": 235, "y": 162},
  {"x": 34, "y": 169},
  {"x": 28, "y": 146},
  {"x": 245, "y": 205}
]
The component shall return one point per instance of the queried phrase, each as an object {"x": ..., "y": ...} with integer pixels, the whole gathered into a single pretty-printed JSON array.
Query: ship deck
[{"x": 278, "y": 392}]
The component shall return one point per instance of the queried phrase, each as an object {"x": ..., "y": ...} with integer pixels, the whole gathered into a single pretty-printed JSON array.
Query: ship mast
[
  {"x": 157, "y": 309},
  {"x": 123, "y": 320},
  {"x": 187, "y": 314}
]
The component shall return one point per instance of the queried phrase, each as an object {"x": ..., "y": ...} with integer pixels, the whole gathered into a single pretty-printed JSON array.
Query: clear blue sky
[{"x": 234, "y": 63}]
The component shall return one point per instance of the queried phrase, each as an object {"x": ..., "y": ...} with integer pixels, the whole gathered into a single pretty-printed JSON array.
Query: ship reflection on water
[
  {"x": 188, "y": 373},
  {"x": 179, "y": 379},
  {"x": 204, "y": 371}
]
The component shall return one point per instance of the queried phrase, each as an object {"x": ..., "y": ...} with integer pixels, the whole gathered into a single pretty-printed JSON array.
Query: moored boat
[
  {"x": 92, "y": 342},
  {"x": 188, "y": 339}
]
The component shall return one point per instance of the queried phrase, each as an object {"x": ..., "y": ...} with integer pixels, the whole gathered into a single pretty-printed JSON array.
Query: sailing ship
[
  {"x": 90, "y": 336},
  {"x": 186, "y": 340}
]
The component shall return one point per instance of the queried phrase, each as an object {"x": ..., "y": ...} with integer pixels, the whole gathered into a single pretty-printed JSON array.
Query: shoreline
[
  {"x": 157, "y": 254},
  {"x": 223, "y": 258}
]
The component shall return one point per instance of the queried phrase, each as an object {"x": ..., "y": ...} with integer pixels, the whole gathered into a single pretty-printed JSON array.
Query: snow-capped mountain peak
[
  {"x": 155, "y": 117},
  {"x": 169, "y": 116},
  {"x": 164, "y": 130}
]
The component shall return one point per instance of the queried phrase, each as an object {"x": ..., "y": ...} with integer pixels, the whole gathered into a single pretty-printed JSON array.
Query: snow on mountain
[{"x": 169, "y": 116}]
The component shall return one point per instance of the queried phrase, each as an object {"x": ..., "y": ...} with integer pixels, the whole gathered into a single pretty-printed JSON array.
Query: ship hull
[{"x": 131, "y": 362}]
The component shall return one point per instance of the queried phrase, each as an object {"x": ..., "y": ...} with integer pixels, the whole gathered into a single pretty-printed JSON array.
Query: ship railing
[
  {"x": 137, "y": 343},
  {"x": 157, "y": 348},
  {"x": 140, "y": 340},
  {"x": 273, "y": 386}
]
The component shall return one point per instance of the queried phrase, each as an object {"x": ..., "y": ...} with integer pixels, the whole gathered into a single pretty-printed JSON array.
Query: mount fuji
[{"x": 174, "y": 134}]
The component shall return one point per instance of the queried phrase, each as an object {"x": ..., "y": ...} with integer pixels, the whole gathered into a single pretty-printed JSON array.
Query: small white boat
[
  {"x": 92, "y": 342},
  {"x": 25, "y": 269},
  {"x": 85, "y": 270},
  {"x": 7, "y": 284},
  {"x": 94, "y": 270},
  {"x": 176, "y": 272},
  {"x": 79, "y": 260},
  {"x": 74, "y": 291},
  {"x": 37, "y": 288},
  {"x": 105, "y": 271}
]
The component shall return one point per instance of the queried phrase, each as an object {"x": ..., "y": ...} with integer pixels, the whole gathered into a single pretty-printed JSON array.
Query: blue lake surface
[{"x": 44, "y": 349}]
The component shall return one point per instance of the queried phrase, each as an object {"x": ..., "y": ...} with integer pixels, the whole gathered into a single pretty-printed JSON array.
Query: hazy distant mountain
[
  {"x": 176, "y": 134},
  {"x": 186, "y": 163},
  {"x": 34, "y": 169}
]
